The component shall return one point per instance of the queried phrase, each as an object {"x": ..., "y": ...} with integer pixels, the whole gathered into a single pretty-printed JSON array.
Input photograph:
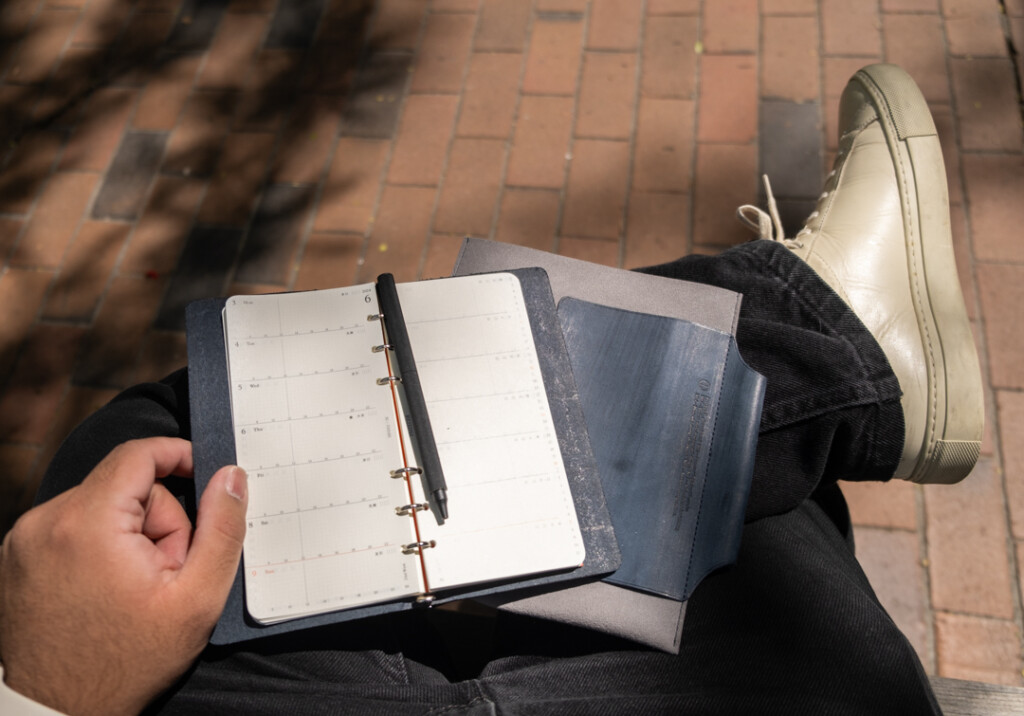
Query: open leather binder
[{"x": 304, "y": 391}]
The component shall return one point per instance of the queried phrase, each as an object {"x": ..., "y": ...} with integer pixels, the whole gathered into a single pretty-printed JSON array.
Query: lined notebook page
[
  {"x": 318, "y": 438},
  {"x": 511, "y": 510}
]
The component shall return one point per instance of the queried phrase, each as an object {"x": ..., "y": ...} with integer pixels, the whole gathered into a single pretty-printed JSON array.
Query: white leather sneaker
[{"x": 880, "y": 237}]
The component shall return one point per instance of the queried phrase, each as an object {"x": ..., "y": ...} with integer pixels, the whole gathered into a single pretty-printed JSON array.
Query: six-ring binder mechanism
[
  {"x": 406, "y": 471},
  {"x": 396, "y": 341}
]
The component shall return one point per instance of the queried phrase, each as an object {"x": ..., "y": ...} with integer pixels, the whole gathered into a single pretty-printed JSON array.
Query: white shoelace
[{"x": 768, "y": 224}]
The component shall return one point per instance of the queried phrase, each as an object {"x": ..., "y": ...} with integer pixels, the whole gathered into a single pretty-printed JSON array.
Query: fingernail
[{"x": 236, "y": 483}]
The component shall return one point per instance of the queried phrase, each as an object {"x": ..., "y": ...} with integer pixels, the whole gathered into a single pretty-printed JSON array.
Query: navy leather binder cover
[
  {"x": 673, "y": 413},
  {"x": 213, "y": 447}
]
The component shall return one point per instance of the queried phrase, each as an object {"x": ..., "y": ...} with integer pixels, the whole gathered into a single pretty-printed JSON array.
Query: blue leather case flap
[{"x": 673, "y": 413}]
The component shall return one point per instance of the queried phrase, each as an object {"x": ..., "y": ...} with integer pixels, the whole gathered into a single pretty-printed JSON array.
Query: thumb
[{"x": 212, "y": 559}]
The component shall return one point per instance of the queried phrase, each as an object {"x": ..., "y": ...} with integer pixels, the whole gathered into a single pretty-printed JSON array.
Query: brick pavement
[{"x": 158, "y": 151}]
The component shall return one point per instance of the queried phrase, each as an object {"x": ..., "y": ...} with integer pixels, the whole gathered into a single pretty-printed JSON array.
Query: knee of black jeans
[{"x": 146, "y": 410}]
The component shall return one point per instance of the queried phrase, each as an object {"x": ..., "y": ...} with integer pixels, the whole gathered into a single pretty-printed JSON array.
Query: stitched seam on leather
[
  {"x": 881, "y": 101},
  {"x": 711, "y": 450},
  {"x": 826, "y": 209},
  {"x": 916, "y": 286}
]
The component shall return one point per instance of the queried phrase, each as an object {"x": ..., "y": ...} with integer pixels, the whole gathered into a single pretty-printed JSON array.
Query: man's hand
[{"x": 106, "y": 595}]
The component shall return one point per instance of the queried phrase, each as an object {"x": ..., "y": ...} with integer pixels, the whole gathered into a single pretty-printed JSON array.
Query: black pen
[{"x": 422, "y": 433}]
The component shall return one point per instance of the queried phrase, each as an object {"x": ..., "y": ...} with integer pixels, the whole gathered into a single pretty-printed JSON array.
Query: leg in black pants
[{"x": 793, "y": 627}]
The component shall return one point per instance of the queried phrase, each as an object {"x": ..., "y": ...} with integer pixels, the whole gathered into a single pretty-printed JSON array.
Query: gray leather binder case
[{"x": 672, "y": 412}]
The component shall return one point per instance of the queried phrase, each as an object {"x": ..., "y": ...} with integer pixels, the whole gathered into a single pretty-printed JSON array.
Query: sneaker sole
[{"x": 955, "y": 415}]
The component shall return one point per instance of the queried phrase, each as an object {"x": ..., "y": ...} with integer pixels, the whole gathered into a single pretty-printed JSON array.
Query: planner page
[
  {"x": 510, "y": 507},
  {"x": 318, "y": 438}
]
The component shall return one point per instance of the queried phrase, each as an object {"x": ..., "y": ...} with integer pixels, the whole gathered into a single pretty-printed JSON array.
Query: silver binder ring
[
  {"x": 414, "y": 547},
  {"x": 388, "y": 380},
  {"x": 381, "y": 348},
  {"x": 425, "y": 600},
  {"x": 406, "y": 510},
  {"x": 375, "y": 317},
  {"x": 405, "y": 471}
]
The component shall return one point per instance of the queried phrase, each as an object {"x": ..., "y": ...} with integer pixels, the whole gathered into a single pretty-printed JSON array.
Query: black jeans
[{"x": 793, "y": 627}]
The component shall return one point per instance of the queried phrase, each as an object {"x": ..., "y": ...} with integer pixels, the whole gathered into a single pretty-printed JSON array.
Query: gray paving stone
[
  {"x": 275, "y": 234},
  {"x": 294, "y": 24},
  {"x": 124, "y": 189},
  {"x": 373, "y": 109},
  {"x": 196, "y": 24},
  {"x": 794, "y": 212},
  {"x": 791, "y": 155},
  {"x": 202, "y": 272}
]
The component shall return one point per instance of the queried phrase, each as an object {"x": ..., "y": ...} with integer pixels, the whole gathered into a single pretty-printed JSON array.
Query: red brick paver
[{"x": 375, "y": 134}]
